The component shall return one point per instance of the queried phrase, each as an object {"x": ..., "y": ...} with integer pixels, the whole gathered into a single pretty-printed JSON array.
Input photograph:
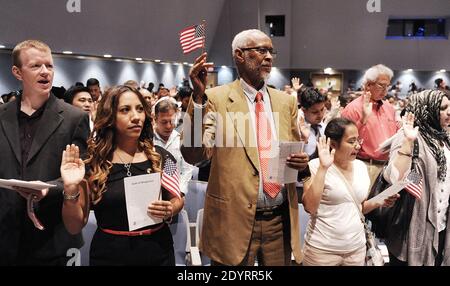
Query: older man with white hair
[
  {"x": 246, "y": 217},
  {"x": 374, "y": 117}
]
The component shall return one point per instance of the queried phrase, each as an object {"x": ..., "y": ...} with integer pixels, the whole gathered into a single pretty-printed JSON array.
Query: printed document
[
  {"x": 140, "y": 191},
  {"x": 392, "y": 190},
  {"x": 278, "y": 171}
]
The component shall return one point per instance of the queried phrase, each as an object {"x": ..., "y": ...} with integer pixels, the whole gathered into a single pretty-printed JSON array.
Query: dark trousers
[{"x": 116, "y": 250}]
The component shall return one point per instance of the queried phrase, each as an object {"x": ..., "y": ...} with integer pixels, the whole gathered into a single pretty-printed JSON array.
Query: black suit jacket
[{"x": 20, "y": 241}]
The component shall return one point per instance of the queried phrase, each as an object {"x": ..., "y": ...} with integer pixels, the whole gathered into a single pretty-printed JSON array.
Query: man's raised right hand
[{"x": 198, "y": 75}]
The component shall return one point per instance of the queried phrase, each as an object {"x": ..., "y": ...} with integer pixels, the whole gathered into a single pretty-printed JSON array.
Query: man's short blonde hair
[{"x": 28, "y": 44}]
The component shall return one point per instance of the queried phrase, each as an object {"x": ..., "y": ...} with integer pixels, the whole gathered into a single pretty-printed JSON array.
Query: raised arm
[
  {"x": 403, "y": 157},
  {"x": 75, "y": 210},
  {"x": 192, "y": 147},
  {"x": 313, "y": 188}
]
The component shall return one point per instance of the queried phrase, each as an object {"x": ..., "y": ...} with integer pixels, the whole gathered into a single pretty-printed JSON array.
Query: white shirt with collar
[
  {"x": 311, "y": 146},
  {"x": 173, "y": 146},
  {"x": 250, "y": 94},
  {"x": 91, "y": 122}
]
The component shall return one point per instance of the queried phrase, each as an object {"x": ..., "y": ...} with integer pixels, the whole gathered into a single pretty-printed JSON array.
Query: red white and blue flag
[
  {"x": 170, "y": 179},
  {"x": 415, "y": 186},
  {"x": 192, "y": 38}
]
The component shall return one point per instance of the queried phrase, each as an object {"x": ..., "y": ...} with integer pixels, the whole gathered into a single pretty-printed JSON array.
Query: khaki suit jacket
[{"x": 232, "y": 193}]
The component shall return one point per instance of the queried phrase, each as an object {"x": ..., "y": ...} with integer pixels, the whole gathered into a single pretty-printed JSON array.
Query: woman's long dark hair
[{"x": 101, "y": 143}]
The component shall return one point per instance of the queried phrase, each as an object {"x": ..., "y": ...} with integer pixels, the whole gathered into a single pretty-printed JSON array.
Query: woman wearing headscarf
[{"x": 425, "y": 240}]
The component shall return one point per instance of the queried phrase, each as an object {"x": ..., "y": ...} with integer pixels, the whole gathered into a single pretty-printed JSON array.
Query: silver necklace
[{"x": 127, "y": 165}]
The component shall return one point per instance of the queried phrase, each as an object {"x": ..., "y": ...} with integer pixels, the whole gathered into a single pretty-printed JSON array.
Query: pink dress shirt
[{"x": 380, "y": 126}]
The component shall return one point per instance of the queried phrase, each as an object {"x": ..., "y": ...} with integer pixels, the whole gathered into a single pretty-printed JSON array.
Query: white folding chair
[
  {"x": 88, "y": 233},
  {"x": 184, "y": 254}
]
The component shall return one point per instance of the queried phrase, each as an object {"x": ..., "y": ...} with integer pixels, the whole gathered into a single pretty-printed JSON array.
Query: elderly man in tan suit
[{"x": 246, "y": 217}]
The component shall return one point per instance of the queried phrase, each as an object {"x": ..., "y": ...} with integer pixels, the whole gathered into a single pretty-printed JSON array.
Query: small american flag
[
  {"x": 415, "y": 185},
  {"x": 170, "y": 179},
  {"x": 192, "y": 38}
]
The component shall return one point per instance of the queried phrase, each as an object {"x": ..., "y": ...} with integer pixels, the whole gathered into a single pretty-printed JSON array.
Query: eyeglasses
[
  {"x": 383, "y": 87},
  {"x": 358, "y": 141},
  {"x": 261, "y": 50}
]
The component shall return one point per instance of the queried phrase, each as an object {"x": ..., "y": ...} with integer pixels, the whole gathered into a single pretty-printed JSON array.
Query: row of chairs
[{"x": 186, "y": 228}]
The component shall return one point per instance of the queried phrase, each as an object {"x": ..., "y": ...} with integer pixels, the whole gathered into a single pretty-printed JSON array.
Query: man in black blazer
[{"x": 34, "y": 130}]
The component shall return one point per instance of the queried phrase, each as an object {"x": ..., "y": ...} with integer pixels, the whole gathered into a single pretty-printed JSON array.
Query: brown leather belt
[{"x": 271, "y": 212}]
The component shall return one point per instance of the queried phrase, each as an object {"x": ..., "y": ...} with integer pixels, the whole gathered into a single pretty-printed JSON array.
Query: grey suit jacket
[{"x": 20, "y": 241}]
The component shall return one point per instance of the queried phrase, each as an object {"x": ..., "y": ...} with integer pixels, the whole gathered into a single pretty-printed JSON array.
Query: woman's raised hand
[
  {"x": 72, "y": 167},
  {"x": 409, "y": 130},
  {"x": 325, "y": 156}
]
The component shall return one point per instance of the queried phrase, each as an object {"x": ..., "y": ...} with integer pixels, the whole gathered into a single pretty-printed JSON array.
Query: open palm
[
  {"x": 72, "y": 167},
  {"x": 295, "y": 83},
  {"x": 304, "y": 128},
  {"x": 409, "y": 130},
  {"x": 325, "y": 156},
  {"x": 367, "y": 105}
]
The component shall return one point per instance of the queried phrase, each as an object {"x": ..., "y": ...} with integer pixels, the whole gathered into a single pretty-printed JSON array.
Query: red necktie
[{"x": 264, "y": 138}]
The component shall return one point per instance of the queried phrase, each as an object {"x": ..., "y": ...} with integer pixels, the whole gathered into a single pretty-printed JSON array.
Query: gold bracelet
[{"x": 404, "y": 154}]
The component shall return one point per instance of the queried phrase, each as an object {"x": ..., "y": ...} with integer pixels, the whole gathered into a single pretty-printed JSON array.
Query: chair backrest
[
  {"x": 88, "y": 233},
  {"x": 195, "y": 198},
  {"x": 303, "y": 220},
  {"x": 198, "y": 230},
  {"x": 198, "y": 226},
  {"x": 181, "y": 237}
]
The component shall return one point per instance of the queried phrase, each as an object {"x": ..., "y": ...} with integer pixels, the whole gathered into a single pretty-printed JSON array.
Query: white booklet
[
  {"x": 35, "y": 185},
  {"x": 278, "y": 171},
  {"x": 392, "y": 190},
  {"x": 140, "y": 191}
]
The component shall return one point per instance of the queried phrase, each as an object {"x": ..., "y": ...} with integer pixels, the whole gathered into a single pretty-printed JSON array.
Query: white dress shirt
[
  {"x": 173, "y": 146},
  {"x": 264, "y": 200}
]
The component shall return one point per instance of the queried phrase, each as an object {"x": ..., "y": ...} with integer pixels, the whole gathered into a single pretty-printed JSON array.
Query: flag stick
[{"x": 204, "y": 43}]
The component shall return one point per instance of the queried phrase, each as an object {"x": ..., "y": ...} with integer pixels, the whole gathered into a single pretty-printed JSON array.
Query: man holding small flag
[
  {"x": 246, "y": 216},
  {"x": 193, "y": 38}
]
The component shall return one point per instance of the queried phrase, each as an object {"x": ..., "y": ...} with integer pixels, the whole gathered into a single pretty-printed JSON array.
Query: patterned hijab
[{"x": 426, "y": 108}]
